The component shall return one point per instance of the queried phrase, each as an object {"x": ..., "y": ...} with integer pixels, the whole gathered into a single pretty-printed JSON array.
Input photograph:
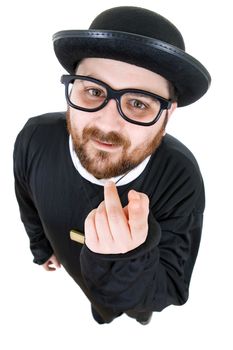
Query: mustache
[{"x": 111, "y": 137}]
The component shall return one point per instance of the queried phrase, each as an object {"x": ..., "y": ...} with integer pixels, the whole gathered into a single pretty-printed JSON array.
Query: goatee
[{"x": 100, "y": 165}]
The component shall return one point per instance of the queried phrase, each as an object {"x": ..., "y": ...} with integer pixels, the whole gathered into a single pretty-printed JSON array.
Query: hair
[{"x": 173, "y": 93}]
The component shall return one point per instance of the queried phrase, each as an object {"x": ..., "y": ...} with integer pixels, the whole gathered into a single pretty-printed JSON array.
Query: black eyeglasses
[{"x": 136, "y": 106}]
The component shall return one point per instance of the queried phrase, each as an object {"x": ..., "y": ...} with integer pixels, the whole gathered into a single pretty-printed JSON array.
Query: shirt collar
[{"x": 130, "y": 176}]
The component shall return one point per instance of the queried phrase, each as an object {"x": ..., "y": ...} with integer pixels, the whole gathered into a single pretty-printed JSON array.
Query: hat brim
[{"x": 187, "y": 74}]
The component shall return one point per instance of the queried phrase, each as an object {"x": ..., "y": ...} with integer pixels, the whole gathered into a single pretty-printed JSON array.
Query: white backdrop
[{"x": 40, "y": 310}]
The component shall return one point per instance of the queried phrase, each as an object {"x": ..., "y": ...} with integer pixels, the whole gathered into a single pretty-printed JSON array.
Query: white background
[{"x": 41, "y": 310}]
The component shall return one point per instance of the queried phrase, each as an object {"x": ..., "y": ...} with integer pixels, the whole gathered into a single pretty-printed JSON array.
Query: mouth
[{"x": 105, "y": 145}]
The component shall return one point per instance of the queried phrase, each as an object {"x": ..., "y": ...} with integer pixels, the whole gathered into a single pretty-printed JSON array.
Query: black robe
[{"x": 53, "y": 199}]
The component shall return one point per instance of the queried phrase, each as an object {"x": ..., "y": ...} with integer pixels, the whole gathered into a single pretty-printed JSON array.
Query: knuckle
[
  {"x": 113, "y": 213},
  {"x": 90, "y": 216},
  {"x": 124, "y": 249},
  {"x": 145, "y": 199},
  {"x": 100, "y": 208},
  {"x": 139, "y": 227},
  {"x": 140, "y": 237},
  {"x": 140, "y": 241}
]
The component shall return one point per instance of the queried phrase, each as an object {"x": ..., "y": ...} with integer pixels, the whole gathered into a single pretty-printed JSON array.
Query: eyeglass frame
[{"x": 165, "y": 104}]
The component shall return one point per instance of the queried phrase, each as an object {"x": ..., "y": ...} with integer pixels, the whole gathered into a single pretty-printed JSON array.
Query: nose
[{"x": 109, "y": 117}]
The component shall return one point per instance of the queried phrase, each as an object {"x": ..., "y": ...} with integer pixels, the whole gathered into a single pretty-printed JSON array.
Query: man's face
[{"x": 105, "y": 143}]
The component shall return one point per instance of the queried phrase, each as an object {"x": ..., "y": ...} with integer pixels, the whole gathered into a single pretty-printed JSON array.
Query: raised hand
[{"x": 111, "y": 229}]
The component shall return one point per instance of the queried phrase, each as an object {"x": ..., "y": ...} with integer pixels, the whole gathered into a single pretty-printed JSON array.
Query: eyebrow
[
  {"x": 140, "y": 94},
  {"x": 91, "y": 75}
]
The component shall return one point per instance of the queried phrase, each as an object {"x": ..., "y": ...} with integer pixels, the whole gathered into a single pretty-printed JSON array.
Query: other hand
[{"x": 51, "y": 261}]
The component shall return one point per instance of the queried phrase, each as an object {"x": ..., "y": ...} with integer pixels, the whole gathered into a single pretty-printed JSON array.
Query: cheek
[
  {"x": 77, "y": 120},
  {"x": 142, "y": 135}
]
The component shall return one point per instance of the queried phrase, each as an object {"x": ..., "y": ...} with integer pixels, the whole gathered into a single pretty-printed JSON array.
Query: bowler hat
[{"x": 141, "y": 37}]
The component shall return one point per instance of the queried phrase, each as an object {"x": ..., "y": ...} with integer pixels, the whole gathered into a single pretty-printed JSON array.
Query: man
[{"x": 112, "y": 198}]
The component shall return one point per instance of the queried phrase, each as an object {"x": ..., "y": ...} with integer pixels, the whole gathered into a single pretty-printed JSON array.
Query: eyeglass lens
[{"x": 136, "y": 106}]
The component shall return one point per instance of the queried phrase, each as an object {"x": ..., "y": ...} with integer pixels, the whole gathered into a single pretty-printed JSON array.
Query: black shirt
[{"x": 53, "y": 199}]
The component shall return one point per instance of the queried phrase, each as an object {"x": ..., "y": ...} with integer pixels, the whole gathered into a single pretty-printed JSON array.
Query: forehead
[{"x": 120, "y": 75}]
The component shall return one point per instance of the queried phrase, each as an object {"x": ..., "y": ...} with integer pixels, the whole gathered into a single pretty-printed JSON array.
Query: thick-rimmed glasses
[{"x": 136, "y": 106}]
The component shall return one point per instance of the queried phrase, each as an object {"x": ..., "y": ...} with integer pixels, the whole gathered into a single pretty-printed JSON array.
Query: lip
[{"x": 105, "y": 146}]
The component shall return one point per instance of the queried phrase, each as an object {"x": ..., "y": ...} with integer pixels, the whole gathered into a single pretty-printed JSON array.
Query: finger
[
  {"x": 106, "y": 239},
  {"x": 138, "y": 197},
  {"x": 55, "y": 261},
  {"x": 116, "y": 217},
  {"x": 50, "y": 268},
  {"x": 91, "y": 236},
  {"x": 138, "y": 209},
  {"x": 47, "y": 267},
  {"x": 101, "y": 223}
]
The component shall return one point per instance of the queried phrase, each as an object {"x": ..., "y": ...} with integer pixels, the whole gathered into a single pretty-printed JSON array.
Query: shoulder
[
  {"x": 44, "y": 121},
  {"x": 42, "y": 125},
  {"x": 176, "y": 175},
  {"x": 38, "y": 135},
  {"x": 178, "y": 153},
  {"x": 174, "y": 157}
]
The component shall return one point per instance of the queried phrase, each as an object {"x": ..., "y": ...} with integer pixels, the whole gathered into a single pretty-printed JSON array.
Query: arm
[
  {"x": 151, "y": 276},
  {"x": 39, "y": 245}
]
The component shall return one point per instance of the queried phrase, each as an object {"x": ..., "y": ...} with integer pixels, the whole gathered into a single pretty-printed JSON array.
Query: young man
[{"x": 114, "y": 200}]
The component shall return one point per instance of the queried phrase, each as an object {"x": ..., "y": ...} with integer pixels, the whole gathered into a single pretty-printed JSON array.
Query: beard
[{"x": 100, "y": 164}]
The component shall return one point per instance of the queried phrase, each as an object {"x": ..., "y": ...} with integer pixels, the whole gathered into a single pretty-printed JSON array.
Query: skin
[
  {"x": 111, "y": 229},
  {"x": 121, "y": 145},
  {"x": 51, "y": 264}
]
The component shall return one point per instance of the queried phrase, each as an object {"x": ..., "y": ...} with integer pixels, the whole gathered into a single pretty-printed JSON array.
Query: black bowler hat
[{"x": 141, "y": 37}]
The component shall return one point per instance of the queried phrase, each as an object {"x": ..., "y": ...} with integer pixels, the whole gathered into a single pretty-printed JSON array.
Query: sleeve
[
  {"x": 39, "y": 244},
  {"x": 152, "y": 276}
]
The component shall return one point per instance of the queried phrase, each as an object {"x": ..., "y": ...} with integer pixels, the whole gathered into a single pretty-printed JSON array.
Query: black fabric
[
  {"x": 52, "y": 198},
  {"x": 140, "y": 37},
  {"x": 139, "y": 21}
]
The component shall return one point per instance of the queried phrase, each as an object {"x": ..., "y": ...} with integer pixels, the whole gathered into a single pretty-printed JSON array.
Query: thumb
[
  {"x": 55, "y": 261},
  {"x": 134, "y": 197},
  {"x": 138, "y": 204}
]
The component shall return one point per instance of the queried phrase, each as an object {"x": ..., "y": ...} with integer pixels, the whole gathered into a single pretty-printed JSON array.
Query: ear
[
  {"x": 169, "y": 113},
  {"x": 172, "y": 109}
]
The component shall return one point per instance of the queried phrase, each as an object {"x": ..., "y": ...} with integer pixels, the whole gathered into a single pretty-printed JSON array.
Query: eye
[
  {"x": 95, "y": 92},
  {"x": 137, "y": 104}
]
